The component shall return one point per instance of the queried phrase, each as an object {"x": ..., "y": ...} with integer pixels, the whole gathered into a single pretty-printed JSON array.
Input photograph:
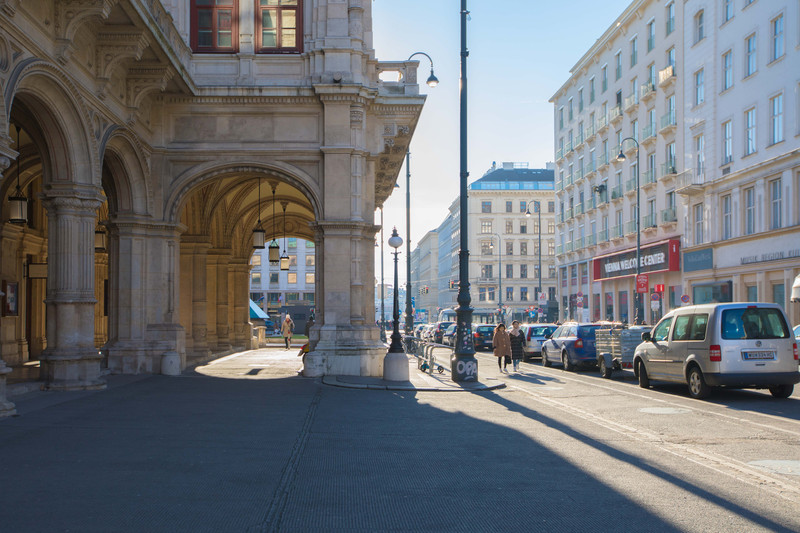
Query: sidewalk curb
[{"x": 380, "y": 384}]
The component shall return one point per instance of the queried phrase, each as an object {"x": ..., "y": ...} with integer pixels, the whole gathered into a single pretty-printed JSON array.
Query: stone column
[
  {"x": 242, "y": 328},
  {"x": 222, "y": 309},
  {"x": 71, "y": 362},
  {"x": 200, "y": 301}
]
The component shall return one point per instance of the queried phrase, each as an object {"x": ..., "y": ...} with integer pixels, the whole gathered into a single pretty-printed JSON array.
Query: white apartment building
[
  {"x": 671, "y": 76},
  {"x": 424, "y": 278}
]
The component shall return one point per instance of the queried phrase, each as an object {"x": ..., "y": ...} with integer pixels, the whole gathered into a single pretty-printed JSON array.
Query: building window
[
  {"x": 727, "y": 70},
  {"x": 487, "y": 272},
  {"x": 604, "y": 77},
  {"x": 509, "y": 271},
  {"x": 291, "y": 242},
  {"x": 509, "y": 206},
  {"x": 749, "y": 211},
  {"x": 509, "y": 226},
  {"x": 523, "y": 248},
  {"x": 486, "y": 248},
  {"x": 776, "y": 205},
  {"x": 752, "y": 293},
  {"x": 776, "y": 118},
  {"x": 277, "y": 26},
  {"x": 292, "y": 278},
  {"x": 523, "y": 294},
  {"x": 509, "y": 294},
  {"x": 273, "y": 277},
  {"x": 591, "y": 91},
  {"x": 727, "y": 223},
  {"x": 523, "y": 227},
  {"x": 486, "y": 226},
  {"x": 310, "y": 260},
  {"x": 699, "y": 30},
  {"x": 255, "y": 278},
  {"x": 551, "y": 207},
  {"x": 671, "y": 57},
  {"x": 215, "y": 26},
  {"x": 292, "y": 260},
  {"x": 509, "y": 248},
  {"x": 698, "y": 223},
  {"x": 727, "y": 10},
  {"x": 486, "y": 206},
  {"x": 580, "y": 100},
  {"x": 670, "y": 17},
  {"x": 634, "y": 51},
  {"x": 618, "y": 65},
  {"x": 777, "y": 38},
  {"x": 523, "y": 206},
  {"x": 727, "y": 142},
  {"x": 523, "y": 271},
  {"x": 750, "y": 131},
  {"x": 570, "y": 109},
  {"x": 700, "y": 144},
  {"x": 255, "y": 260},
  {"x": 309, "y": 278},
  {"x": 699, "y": 87},
  {"x": 561, "y": 118},
  {"x": 551, "y": 227},
  {"x": 750, "y": 56},
  {"x": 651, "y": 35}
]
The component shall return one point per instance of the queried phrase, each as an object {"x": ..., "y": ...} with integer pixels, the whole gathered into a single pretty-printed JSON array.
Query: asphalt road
[{"x": 245, "y": 444}]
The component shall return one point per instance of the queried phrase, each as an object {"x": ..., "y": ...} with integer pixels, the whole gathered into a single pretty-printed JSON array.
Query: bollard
[{"x": 171, "y": 363}]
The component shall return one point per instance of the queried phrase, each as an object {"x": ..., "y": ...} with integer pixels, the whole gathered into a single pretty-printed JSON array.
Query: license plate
[{"x": 759, "y": 355}]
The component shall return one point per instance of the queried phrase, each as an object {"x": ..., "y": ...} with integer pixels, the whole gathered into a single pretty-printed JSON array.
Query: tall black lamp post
[
  {"x": 395, "y": 363},
  {"x": 636, "y": 298},
  {"x": 538, "y": 206},
  {"x": 432, "y": 81},
  {"x": 463, "y": 363}
]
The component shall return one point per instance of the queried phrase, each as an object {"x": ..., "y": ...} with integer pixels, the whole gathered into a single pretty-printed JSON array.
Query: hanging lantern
[
  {"x": 274, "y": 249},
  {"x": 17, "y": 203},
  {"x": 259, "y": 235},
  {"x": 100, "y": 239},
  {"x": 284, "y": 255}
]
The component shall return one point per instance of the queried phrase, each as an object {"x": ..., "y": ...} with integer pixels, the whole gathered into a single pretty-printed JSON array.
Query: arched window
[
  {"x": 215, "y": 26},
  {"x": 279, "y": 27}
]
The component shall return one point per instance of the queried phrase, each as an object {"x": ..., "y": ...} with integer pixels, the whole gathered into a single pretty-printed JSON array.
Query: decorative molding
[
  {"x": 146, "y": 79},
  {"x": 114, "y": 46},
  {"x": 70, "y": 15},
  {"x": 9, "y": 7}
]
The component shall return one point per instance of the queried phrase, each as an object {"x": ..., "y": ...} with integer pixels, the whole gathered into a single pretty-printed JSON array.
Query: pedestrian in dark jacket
[
  {"x": 502, "y": 347},
  {"x": 517, "y": 339}
]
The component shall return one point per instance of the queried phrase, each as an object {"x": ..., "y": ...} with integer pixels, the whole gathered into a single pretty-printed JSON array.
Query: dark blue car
[
  {"x": 571, "y": 345},
  {"x": 482, "y": 336}
]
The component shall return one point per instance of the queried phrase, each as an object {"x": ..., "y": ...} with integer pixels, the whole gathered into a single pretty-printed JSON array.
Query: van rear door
[{"x": 755, "y": 339}]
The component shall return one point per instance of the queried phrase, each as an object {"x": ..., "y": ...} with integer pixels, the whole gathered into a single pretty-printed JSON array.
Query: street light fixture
[
  {"x": 433, "y": 81},
  {"x": 463, "y": 364},
  {"x": 395, "y": 363},
  {"x": 538, "y": 206},
  {"x": 636, "y": 298}
]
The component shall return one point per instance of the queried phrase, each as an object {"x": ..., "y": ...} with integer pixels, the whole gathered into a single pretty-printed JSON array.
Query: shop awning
[
  {"x": 256, "y": 311},
  {"x": 796, "y": 289}
]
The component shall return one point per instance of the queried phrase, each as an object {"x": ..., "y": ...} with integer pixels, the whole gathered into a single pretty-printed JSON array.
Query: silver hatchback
[{"x": 740, "y": 345}]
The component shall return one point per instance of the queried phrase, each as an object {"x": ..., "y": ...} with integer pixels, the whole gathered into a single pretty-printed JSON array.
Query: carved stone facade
[{"x": 172, "y": 157}]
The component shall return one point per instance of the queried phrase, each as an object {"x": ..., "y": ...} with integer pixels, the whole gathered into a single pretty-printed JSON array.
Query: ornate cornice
[
  {"x": 145, "y": 79},
  {"x": 243, "y": 100},
  {"x": 70, "y": 15},
  {"x": 114, "y": 46}
]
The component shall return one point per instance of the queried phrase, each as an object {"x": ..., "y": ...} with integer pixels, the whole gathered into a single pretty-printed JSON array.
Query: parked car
[
  {"x": 741, "y": 345},
  {"x": 437, "y": 332},
  {"x": 427, "y": 333},
  {"x": 449, "y": 336},
  {"x": 482, "y": 336},
  {"x": 418, "y": 330},
  {"x": 571, "y": 345},
  {"x": 535, "y": 335},
  {"x": 797, "y": 331}
]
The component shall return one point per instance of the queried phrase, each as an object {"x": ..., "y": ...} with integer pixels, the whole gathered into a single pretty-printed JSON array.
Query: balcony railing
[
  {"x": 668, "y": 121},
  {"x": 568, "y": 180},
  {"x": 591, "y": 203},
  {"x": 578, "y": 243},
  {"x": 630, "y": 103},
  {"x": 560, "y": 154},
  {"x": 615, "y": 152},
  {"x": 578, "y": 139},
  {"x": 630, "y": 227},
  {"x": 569, "y": 213},
  {"x": 616, "y": 232},
  {"x": 647, "y": 89},
  {"x": 666, "y": 76},
  {"x": 591, "y": 240},
  {"x": 602, "y": 160},
  {"x": 669, "y": 215},
  {"x": 559, "y": 185},
  {"x": 579, "y": 174},
  {"x": 691, "y": 182},
  {"x": 559, "y": 249},
  {"x": 649, "y": 221},
  {"x": 630, "y": 185},
  {"x": 602, "y": 123},
  {"x": 589, "y": 131},
  {"x": 648, "y": 133},
  {"x": 568, "y": 247},
  {"x": 602, "y": 236},
  {"x": 668, "y": 169},
  {"x": 616, "y": 192},
  {"x": 649, "y": 176},
  {"x": 578, "y": 209},
  {"x": 615, "y": 113},
  {"x": 589, "y": 169}
]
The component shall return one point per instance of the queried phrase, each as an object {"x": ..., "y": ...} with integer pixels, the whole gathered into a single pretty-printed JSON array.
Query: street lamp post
[
  {"x": 395, "y": 363},
  {"x": 636, "y": 298},
  {"x": 499, "y": 278},
  {"x": 432, "y": 81},
  {"x": 463, "y": 364},
  {"x": 538, "y": 206},
  {"x": 383, "y": 285}
]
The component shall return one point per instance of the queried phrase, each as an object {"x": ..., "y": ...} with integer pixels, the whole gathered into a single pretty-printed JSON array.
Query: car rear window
[
  {"x": 485, "y": 329},
  {"x": 541, "y": 331},
  {"x": 754, "y": 323},
  {"x": 587, "y": 332}
]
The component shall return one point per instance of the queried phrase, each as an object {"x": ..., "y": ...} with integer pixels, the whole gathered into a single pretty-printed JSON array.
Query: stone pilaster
[
  {"x": 222, "y": 307},
  {"x": 242, "y": 328},
  {"x": 200, "y": 347},
  {"x": 71, "y": 362}
]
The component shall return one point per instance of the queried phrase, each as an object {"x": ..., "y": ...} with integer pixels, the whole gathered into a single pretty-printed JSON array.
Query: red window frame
[
  {"x": 280, "y": 7},
  {"x": 217, "y": 8}
]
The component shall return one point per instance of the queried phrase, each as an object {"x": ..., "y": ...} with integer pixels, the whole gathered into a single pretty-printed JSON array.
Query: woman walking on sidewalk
[
  {"x": 286, "y": 330},
  {"x": 502, "y": 347},
  {"x": 517, "y": 338}
]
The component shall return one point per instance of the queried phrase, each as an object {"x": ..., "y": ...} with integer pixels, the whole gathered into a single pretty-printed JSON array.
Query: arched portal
[{"x": 219, "y": 214}]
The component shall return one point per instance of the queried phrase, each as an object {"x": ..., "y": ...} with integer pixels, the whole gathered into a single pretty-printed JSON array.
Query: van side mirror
[{"x": 646, "y": 336}]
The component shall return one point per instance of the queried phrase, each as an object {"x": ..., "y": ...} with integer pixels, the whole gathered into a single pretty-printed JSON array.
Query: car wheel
[
  {"x": 644, "y": 380},
  {"x": 697, "y": 385},
  {"x": 568, "y": 367},
  {"x": 781, "y": 391},
  {"x": 605, "y": 372},
  {"x": 545, "y": 361}
]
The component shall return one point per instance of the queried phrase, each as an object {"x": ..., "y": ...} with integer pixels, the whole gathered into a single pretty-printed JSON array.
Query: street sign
[
  {"x": 580, "y": 294},
  {"x": 654, "y": 305},
  {"x": 579, "y": 299},
  {"x": 685, "y": 298},
  {"x": 660, "y": 287},
  {"x": 642, "y": 283},
  {"x": 542, "y": 299},
  {"x": 655, "y": 297}
]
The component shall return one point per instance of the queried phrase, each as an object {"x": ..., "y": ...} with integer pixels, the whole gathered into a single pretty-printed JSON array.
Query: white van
[{"x": 739, "y": 345}]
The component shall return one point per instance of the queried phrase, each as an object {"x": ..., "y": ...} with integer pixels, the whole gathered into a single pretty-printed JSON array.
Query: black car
[
  {"x": 438, "y": 331},
  {"x": 482, "y": 336},
  {"x": 449, "y": 337}
]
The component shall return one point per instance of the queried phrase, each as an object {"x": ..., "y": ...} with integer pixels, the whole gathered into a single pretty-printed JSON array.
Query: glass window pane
[
  {"x": 204, "y": 3},
  {"x": 289, "y": 19},
  {"x": 269, "y": 39},
  {"x": 224, "y": 20},
  {"x": 204, "y": 38},
  {"x": 288, "y": 38},
  {"x": 204, "y": 18},
  {"x": 224, "y": 39},
  {"x": 269, "y": 2},
  {"x": 224, "y": 2},
  {"x": 268, "y": 19}
]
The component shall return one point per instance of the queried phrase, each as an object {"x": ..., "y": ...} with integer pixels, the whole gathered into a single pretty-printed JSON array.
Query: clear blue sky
[{"x": 520, "y": 53}]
